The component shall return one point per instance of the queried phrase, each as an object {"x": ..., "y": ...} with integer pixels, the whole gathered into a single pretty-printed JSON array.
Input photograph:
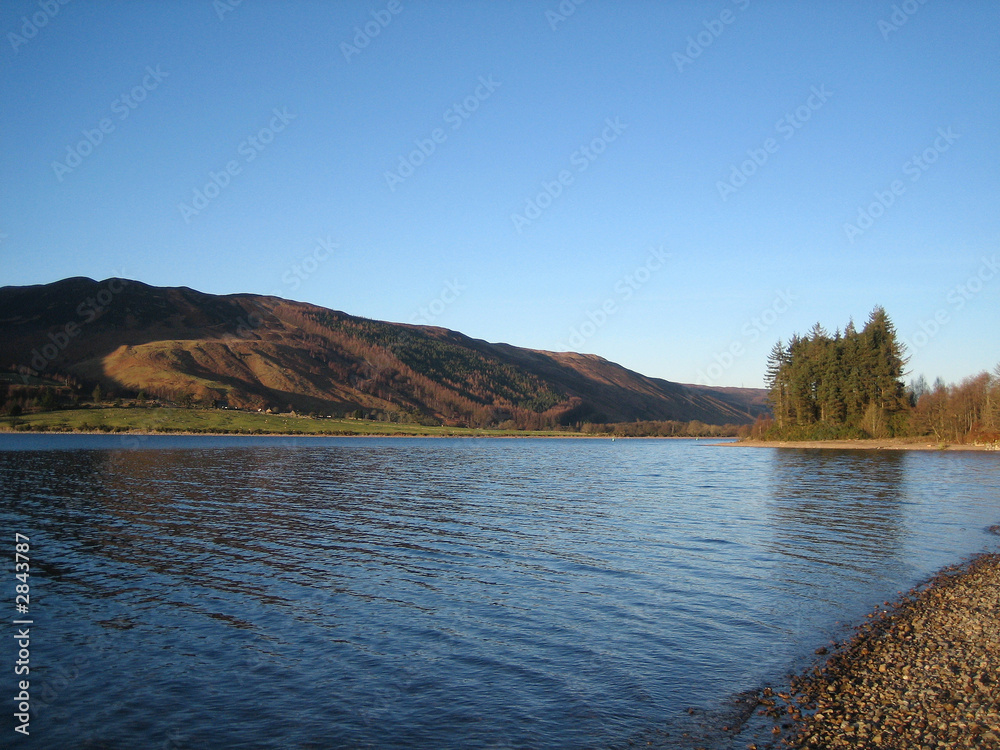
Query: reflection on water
[
  {"x": 400, "y": 593},
  {"x": 846, "y": 501}
]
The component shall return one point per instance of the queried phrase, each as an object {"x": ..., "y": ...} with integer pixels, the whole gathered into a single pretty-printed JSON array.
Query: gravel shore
[
  {"x": 921, "y": 674},
  {"x": 885, "y": 444}
]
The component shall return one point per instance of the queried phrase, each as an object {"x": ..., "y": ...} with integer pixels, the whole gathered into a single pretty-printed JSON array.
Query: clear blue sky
[{"x": 507, "y": 169}]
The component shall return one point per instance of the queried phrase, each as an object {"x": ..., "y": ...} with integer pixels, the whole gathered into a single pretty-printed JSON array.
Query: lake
[{"x": 226, "y": 592}]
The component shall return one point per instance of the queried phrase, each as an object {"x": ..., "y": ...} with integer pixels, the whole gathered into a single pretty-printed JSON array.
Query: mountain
[{"x": 255, "y": 351}]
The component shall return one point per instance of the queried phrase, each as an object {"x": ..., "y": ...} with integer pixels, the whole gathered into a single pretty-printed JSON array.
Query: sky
[{"x": 674, "y": 186}]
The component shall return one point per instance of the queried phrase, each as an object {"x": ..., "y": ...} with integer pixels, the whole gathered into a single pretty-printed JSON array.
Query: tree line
[
  {"x": 661, "y": 428},
  {"x": 965, "y": 412},
  {"x": 850, "y": 385}
]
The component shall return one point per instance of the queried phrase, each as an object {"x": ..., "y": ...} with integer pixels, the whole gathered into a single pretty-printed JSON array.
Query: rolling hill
[{"x": 259, "y": 352}]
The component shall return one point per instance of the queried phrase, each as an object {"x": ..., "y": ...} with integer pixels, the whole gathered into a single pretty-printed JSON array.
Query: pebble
[{"x": 922, "y": 673}]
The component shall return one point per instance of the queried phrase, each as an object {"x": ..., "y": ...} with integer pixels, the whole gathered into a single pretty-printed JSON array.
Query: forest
[{"x": 850, "y": 385}]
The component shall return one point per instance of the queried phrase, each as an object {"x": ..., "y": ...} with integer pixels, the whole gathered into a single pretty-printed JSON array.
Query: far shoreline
[
  {"x": 516, "y": 436},
  {"x": 171, "y": 420},
  {"x": 868, "y": 444}
]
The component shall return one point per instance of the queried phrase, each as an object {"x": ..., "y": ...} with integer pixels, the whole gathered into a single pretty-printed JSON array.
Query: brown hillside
[{"x": 265, "y": 352}]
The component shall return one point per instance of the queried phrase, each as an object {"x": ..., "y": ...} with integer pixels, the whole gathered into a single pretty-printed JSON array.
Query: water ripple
[{"x": 339, "y": 593}]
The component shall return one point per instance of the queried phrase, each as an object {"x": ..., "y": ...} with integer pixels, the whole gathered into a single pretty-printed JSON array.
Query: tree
[
  {"x": 885, "y": 359},
  {"x": 776, "y": 381},
  {"x": 991, "y": 410},
  {"x": 960, "y": 413},
  {"x": 97, "y": 395},
  {"x": 840, "y": 384},
  {"x": 918, "y": 388},
  {"x": 48, "y": 402},
  {"x": 874, "y": 421}
]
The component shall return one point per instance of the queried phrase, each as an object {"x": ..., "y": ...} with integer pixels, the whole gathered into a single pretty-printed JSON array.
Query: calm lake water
[{"x": 197, "y": 592}]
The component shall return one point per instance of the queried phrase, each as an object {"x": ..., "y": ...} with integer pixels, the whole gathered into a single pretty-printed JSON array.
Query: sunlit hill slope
[{"x": 254, "y": 351}]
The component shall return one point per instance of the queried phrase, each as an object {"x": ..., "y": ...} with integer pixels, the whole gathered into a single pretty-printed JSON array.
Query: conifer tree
[
  {"x": 850, "y": 380},
  {"x": 776, "y": 381}
]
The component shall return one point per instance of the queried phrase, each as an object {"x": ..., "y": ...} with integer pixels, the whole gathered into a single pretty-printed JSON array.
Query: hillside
[{"x": 254, "y": 351}]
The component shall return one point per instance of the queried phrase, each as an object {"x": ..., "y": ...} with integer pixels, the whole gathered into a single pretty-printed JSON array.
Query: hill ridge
[{"x": 262, "y": 351}]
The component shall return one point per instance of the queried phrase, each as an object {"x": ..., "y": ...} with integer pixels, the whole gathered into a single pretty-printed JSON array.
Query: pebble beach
[{"x": 922, "y": 673}]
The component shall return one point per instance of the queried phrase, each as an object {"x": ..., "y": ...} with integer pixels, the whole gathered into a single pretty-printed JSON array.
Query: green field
[{"x": 167, "y": 419}]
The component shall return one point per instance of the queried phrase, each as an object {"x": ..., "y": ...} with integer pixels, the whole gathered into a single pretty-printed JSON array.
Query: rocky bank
[{"x": 921, "y": 674}]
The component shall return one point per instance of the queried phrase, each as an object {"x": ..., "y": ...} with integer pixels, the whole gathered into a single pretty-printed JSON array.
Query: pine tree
[
  {"x": 846, "y": 381},
  {"x": 800, "y": 385},
  {"x": 886, "y": 361},
  {"x": 831, "y": 382},
  {"x": 777, "y": 384}
]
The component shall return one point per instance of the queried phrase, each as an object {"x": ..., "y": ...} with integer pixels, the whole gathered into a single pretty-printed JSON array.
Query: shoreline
[
  {"x": 886, "y": 444},
  {"x": 921, "y": 672},
  {"x": 148, "y": 420},
  {"x": 526, "y": 434},
  {"x": 171, "y": 420},
  {"x": 187, "y": 433},
  {"x": 506, "y": 436}
]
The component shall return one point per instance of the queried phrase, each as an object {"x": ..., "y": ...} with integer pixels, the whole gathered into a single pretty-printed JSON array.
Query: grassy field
[{"x": 166, "y": 419}]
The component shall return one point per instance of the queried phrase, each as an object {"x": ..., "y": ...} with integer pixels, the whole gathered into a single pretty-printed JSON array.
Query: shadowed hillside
[{"x": 256, "y": 351}]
